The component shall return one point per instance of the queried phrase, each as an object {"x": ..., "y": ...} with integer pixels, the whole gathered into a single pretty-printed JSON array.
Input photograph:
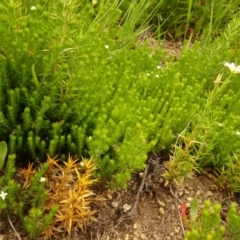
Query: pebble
[
  {"x": 134, "y": 187},
  {"x": 135, "y": 226},
  {"x": 161, "y": 204},
  {"x": 180, "y": 193},
  {"x": 199, "y": 192},
  {"x": 143, "y": 236},
  {"x": 186, "y": 191},
  {"x": 109, "y": 196},
  {"x": 209, "y": 194},
  {"x": 161, "y": 210},
  {"x": 177, "y": 229},
  {"x": 188, "y": 204},
  {"x": 126, "y": 207},
  {"x": 136, "y": 233},
  {"x": 126, "y": 237},
  {"x": 161, "y": 180},
  {"x": 166, "y": 184},
  {"x": 115, "y": 204}
]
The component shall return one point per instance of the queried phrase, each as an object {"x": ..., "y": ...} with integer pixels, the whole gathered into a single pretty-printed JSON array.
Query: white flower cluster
[
  {"x": 43, "y": 179},
  {"x": 3, "y": 195},
  {"x": 233, "y": 67}
]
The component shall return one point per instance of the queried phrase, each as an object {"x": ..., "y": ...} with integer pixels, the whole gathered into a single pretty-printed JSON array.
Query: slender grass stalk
[{"x": 189, "y": 13}]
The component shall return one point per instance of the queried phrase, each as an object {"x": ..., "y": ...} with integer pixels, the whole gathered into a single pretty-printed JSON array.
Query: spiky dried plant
[
  {"x": 27, "y": 173},
  {"x": 69, "y": 185},
  {"x": 70, "y": 188}
]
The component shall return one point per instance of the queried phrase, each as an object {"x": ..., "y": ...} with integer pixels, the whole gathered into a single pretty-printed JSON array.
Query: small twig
[
  {"x": 179, "y": 215},
  {"x": 162, "y": 225},
  {"x": 162, "y": 222},
  {"x": 180, "y": 218},
  {"x": 121, "y": 219},
  {"x": 134, "y": 208},
  {"x": 132, "y": 212},
  {"x": 180, "y": 135},
  {"x": 16, "y": 233}
]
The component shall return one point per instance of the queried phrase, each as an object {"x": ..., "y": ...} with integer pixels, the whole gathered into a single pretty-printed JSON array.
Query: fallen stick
[
  {"x": 132, "y": 212},
  {"x": 175, "y": 195},
  {"x": 16, "y": 233}
]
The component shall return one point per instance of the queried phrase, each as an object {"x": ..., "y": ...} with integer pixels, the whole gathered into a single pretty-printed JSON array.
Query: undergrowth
[
  {"x": 52, "y": 199},
  {"x": 76, "y": 77}
]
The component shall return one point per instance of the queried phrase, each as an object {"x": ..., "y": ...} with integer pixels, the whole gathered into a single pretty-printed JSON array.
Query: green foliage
[
  {"x": 210, "y": 138},
  {"x": 3, "y": 153},
  {"x": 233, "y": 219},
  {"x": 42, "y": 199},
  {"x": 26, "y": 204},
  {"x": 64, "y": 93},
  {"x": 34, "y": 224},
  {"x": 36, "y": 188},
  {"x": 188, "y": 19},
  {"x": 75, "y": 79},
  {"x": 205, "y": 225}
]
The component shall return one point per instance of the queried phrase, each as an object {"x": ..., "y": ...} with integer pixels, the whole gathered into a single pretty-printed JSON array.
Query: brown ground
[{"x": 157, "y": 213}]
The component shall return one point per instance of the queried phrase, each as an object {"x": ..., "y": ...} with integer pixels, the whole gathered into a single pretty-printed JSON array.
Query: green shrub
[
  {"x": 40, "y": 199},
  {"x": 188, "y": 19},
  {"x": 71, "y": 82},
  {"x": 26, "y": 204},
  {"x": 75, "y": 79},
  {"x": 207, "y": 223},
  {"x": 204, "y": 225},
  {"x": 233, "y": 220},
  {"x": 211, "y": 138}
]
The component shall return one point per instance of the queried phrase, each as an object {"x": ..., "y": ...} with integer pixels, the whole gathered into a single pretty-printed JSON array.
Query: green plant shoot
[{"x": 3, "y": 153}]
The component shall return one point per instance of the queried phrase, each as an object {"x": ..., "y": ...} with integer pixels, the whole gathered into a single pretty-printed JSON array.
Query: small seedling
[{"x": 205, "y": 224}]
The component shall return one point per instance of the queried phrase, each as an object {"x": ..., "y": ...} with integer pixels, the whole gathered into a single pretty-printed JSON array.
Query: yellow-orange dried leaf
[{"x": 28, "y": 173}]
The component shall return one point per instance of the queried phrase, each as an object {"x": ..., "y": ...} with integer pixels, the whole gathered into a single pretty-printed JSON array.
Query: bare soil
[{"x": 157, "y": 213}]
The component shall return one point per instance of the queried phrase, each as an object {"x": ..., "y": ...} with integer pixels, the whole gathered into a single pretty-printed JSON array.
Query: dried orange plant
[{"x": 69, "y": 187}]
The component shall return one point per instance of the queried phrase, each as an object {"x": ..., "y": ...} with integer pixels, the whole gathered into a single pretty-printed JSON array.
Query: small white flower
[
  {"x": 148, "y": 74},
  {"x": 90, "y": 137},
  {"x": 43, "y": 179},
  {"x": 238, "y": 133},
  {"x": 158, "y": 67},
  {"x": 157, "y": 76},
  {"x": 106, "y": 46},
  {"x": 94, "y": 2},
  {"x": 3, "y": 195},
  {"x": 81, "y": 164},
  {"x": 220, "y": 124},
  {"x": 233, "y": 67},
  {"x": 33, "y": 8}
]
